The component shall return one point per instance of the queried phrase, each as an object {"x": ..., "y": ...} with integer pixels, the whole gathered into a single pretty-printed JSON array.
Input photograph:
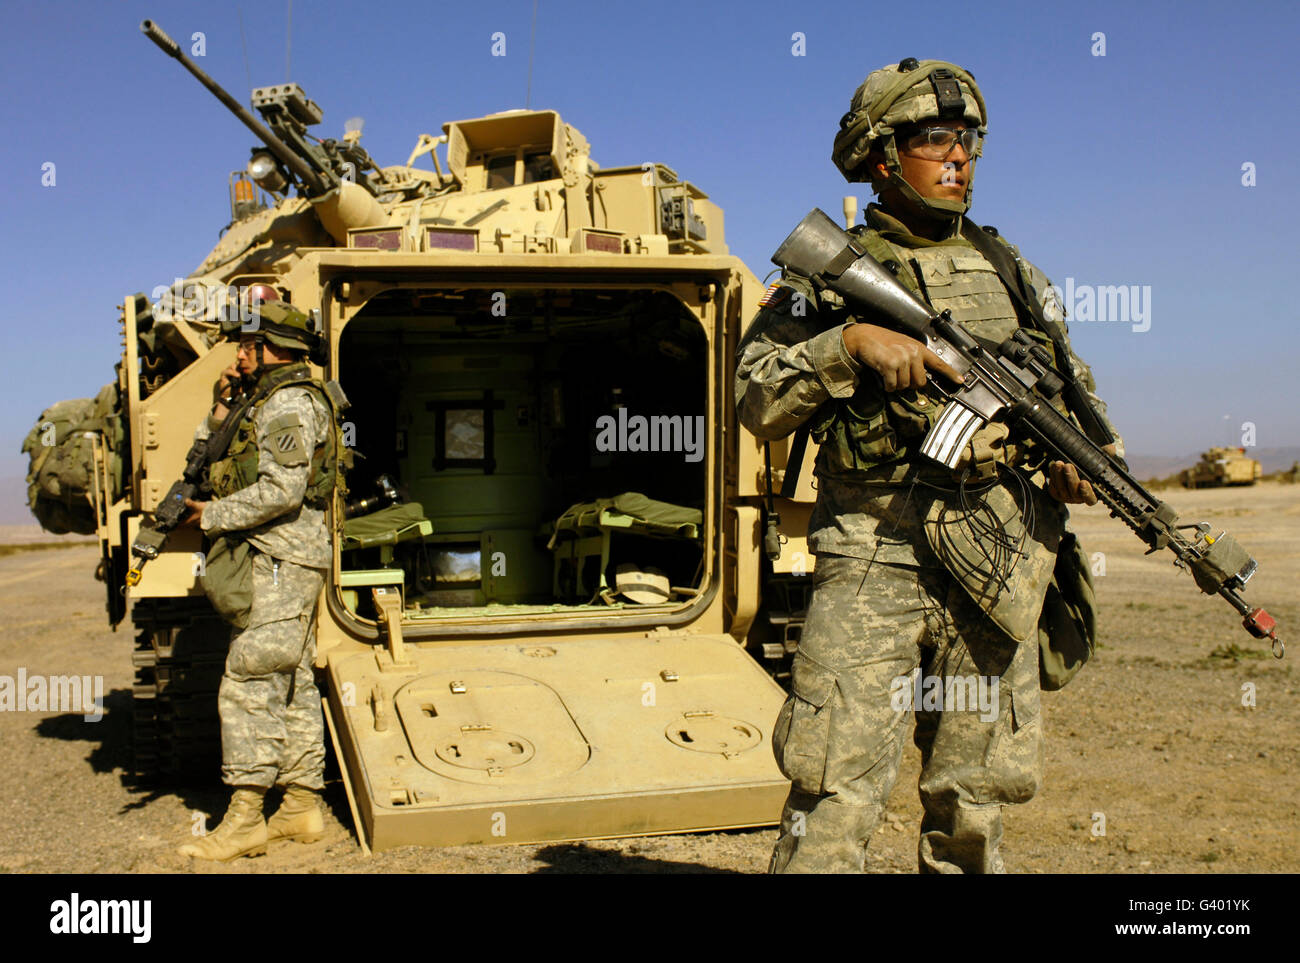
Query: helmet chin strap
[
  {"x": 931, "y": 208},
  {"x": 261, "y": 362}
]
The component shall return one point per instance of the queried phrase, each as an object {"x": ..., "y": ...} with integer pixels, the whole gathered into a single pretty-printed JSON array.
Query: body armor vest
[
  {"x": 238, "y": 469},
  {"x": 875, "y": 435}
]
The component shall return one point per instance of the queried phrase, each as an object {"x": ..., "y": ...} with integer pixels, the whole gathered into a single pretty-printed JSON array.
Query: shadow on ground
[
  {"x": 111, "y": 733},
  {"x": 580, "y": 858}
]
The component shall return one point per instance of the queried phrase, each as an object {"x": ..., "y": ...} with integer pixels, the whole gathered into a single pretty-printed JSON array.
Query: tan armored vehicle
[
  {"x": 1221, "y": 466},
  {"x": 546, "y": 572}
]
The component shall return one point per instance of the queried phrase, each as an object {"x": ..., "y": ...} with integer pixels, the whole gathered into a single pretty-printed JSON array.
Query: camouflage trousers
[
  {"x": 272, "y": 732},
  {"x": 839, "y": 737}
]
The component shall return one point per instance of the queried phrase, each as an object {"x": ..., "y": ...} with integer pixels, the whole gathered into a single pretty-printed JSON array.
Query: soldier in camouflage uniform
[
  {"x": 919, "y": 569},
  {"x": 271, "y": 727}
]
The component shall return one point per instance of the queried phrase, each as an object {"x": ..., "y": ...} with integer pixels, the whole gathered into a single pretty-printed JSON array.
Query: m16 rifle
[
  {"x": 193, "y": 485},
  {"x": 1016, "y": 384}
]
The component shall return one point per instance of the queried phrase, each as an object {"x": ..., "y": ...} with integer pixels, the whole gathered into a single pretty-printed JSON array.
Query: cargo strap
[{"x": 1031, "y": 316}]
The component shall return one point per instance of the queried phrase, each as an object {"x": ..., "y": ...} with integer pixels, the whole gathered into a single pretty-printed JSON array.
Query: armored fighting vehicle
[
  {"x": 1221, "y": 466},
  {"x": 546, "y": 572}
]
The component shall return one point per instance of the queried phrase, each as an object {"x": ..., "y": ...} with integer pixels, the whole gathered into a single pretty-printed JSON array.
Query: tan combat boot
[
  {"x": 298, "y": 817},
  {"x": 242, "y": 832}
]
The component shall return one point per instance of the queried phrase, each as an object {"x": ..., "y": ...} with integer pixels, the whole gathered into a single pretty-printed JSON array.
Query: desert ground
[{"x": 1153, "y": 735}]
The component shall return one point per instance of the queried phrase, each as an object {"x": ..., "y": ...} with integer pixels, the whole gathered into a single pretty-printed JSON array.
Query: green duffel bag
[{"x": 227, "y": 578}]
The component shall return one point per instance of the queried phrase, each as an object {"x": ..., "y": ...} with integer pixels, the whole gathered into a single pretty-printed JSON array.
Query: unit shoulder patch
[{"x": 284, "y": 439}]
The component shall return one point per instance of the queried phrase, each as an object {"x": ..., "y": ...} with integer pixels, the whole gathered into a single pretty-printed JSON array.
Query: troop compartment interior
[{"x": 498, "y": 410}]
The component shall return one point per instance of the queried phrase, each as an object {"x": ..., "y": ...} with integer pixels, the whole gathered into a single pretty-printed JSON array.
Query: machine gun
[
  {"x": 316, "y": 167},
  {"x": 1016, "y": 384}
]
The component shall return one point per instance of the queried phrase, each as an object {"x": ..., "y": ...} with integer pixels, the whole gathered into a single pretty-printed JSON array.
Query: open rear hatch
[
  {"x": 549, "y": 660},
  {"x": 582, "y": 738}
]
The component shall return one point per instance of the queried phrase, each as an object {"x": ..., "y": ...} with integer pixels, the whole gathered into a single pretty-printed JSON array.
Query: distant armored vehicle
[{"x": 1221, "y": 466}]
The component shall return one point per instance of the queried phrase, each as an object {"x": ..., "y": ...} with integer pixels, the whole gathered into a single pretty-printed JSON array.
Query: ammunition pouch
[
  {"x": 871, "y": 429},
  {"x": 861, "y": 433},
  {"x": 238, "y": 469}
]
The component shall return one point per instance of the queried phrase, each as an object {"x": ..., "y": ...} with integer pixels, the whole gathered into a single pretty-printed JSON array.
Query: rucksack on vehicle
[{"x": 62, "y": 460}]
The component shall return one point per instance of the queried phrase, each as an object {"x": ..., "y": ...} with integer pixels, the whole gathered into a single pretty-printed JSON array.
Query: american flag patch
[{"x": 775, "y": 294}]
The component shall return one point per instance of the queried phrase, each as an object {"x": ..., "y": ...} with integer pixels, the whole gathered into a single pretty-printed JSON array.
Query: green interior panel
[{"x": 497, "y": 424}]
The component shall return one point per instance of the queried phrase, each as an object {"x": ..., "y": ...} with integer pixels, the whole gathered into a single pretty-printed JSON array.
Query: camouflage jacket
[
  {"x": 290, "y": 425},
  {"x": 878, "y": 498}
]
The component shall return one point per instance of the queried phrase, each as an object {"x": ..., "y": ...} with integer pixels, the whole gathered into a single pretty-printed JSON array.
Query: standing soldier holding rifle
[
  {"x": 264, "y": 574},
  {"x": 919, "y": 567}
]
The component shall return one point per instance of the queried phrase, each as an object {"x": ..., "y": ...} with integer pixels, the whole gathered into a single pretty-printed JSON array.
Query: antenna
[
  {"x": 248, "y": 74},
  {"x": 288, "y": 41},
  {"x": 532, "y": 41}
]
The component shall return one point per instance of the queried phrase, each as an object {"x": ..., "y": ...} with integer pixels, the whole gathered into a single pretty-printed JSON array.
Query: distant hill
[{"x": 13, "y": 502}]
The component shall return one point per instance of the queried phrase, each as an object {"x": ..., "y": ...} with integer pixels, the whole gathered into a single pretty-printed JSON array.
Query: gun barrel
[{"x": 314, "y": 182}]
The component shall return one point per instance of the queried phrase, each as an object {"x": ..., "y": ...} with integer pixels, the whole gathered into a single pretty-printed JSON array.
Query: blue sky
[{"x": 1122, "y": 169}]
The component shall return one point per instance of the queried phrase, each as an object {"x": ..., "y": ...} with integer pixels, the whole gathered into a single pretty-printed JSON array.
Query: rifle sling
[
  {"x": 1030, "y": 310},
  {"x": 220, "y": 439},
  {"x": 794, "y": 460}
]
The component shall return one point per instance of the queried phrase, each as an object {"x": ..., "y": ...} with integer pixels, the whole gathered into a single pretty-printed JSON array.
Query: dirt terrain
[{"x": 1153, "y": 734}]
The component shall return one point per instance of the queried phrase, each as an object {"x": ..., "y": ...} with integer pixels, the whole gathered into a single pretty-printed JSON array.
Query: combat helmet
[
  {"x": 284, "y": 325},
  {"x": 908, "y": 92},
  {"x": 277, "y": 322}
]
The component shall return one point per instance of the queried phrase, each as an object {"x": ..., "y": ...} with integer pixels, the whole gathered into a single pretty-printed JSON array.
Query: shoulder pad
[
  {"x": 338, "y": 400},
  {"x": 1015, "y": 251}
]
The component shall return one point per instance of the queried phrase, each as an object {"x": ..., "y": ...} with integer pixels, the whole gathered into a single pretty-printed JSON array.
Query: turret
[{"x": 340, "y": 180}]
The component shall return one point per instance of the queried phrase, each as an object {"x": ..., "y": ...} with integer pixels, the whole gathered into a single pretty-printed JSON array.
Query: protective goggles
[{"x": 936, "y": 143}]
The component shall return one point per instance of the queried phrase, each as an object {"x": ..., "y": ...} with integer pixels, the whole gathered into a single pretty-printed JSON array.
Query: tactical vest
[
  {"x": 876, "y": 436},
  {"x": 238, "y": 469}
]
